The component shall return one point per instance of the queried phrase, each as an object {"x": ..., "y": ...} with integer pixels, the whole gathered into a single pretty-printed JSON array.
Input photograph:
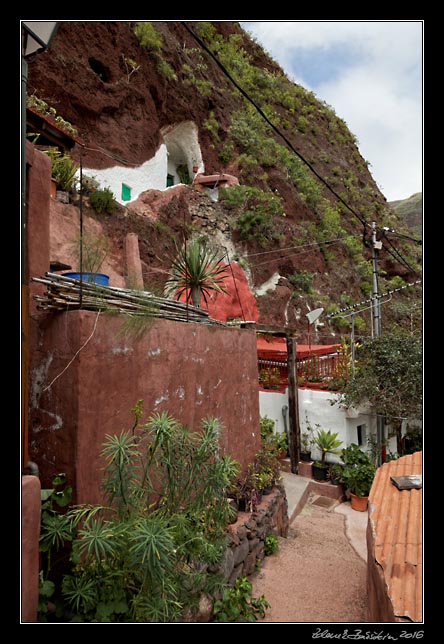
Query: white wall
[
  {"x": 315, "y": 406},
  {"x": 181, "y": 145},
  {"x": 151, "y": 175},
  {"x": 270, "y": 404}
]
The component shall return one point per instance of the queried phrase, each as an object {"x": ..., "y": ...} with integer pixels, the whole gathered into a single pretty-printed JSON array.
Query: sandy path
[{"x": 316, "y": 576}]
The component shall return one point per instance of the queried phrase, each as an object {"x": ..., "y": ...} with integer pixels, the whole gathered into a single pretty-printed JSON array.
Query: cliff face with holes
[{"x": 153, "y": 109}]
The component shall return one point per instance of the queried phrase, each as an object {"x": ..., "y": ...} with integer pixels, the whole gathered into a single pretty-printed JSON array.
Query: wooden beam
[{"x": 294, "y": 432}]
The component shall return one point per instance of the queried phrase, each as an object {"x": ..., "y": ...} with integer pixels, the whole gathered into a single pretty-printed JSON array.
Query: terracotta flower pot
[{"x": 358, "y": 503}]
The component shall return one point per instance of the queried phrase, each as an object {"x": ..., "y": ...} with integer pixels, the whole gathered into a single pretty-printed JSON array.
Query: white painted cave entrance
[
  {"x": 172, "y": 164},
  {"x": 183, "y": 153}
]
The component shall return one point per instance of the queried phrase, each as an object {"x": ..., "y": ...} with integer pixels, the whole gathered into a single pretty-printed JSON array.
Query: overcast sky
[{"x": 370, "y": 72}]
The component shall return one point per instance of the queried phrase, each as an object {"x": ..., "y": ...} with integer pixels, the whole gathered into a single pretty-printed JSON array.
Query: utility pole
[
  {"x": 376, "y": 246},
  {"x": 294, "y": 433},
  {"x": 377, "y": 330}
]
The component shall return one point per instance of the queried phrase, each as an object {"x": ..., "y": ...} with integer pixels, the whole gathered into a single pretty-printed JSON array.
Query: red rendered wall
[
  {"x": 38, "y": 166},
  {"x": 190, "y": 370},
  {"x": 31, "y": 505}
]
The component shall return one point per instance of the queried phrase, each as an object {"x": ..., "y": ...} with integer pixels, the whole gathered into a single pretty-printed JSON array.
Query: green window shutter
[
  {"x": 126, "y": 192},
  {"x": 170, "y": 180}
]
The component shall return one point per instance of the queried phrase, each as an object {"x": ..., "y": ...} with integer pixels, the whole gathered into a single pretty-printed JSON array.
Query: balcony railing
[{"x": 321, "y": 372}]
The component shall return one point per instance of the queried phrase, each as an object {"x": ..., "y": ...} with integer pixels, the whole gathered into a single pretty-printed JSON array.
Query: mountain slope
[
  {"x": 410, "y": 210},
  {"x": 124, "y": 87}
]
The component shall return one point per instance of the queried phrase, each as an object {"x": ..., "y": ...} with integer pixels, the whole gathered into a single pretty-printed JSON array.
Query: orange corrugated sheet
[{"x": 396, "y": 521}]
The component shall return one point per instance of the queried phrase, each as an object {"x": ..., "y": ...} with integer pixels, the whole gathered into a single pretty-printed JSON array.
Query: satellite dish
[{"x": 312, "y": 316}]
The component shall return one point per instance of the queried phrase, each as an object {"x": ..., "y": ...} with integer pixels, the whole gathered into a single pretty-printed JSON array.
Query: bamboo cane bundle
[{"x": 66, "y": 293}]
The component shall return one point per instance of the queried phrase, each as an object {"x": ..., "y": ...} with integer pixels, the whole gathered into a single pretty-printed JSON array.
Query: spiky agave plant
[{"x": 196, "y": 271}]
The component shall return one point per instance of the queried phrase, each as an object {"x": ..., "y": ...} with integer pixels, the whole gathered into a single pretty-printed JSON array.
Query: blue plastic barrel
[{"x": 95, "y": 278}]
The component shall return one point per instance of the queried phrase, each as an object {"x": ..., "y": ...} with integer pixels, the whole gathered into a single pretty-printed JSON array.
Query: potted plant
[
  {"x": 335, "y": 473},
  {"x": 281, "y": 440},
  {"x": 276, "y": 440},
  {"x": 357, "y": 476},
  {"x": 328, "y": 443},
  {"x": 307, "y": 441},
  {"x": 64, "y": 172},
  {"x": 306, "y": 445}
]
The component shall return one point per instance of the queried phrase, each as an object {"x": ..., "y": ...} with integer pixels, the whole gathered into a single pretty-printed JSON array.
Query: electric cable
[
  {"x": 303, "y": 252},
  {"x": 271, "y": 124},
  {"x": 285, "y": 139},
  {"x": 281, "y": 250},
  {"x": 398, "y": 256},
  {"x": 365, "y": 224},
  {"x": 388, "y": 292}
]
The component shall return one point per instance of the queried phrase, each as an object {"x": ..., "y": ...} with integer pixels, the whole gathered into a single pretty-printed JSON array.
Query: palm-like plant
[
  {"x": 327, "y": 442},
  {"x": 196, "y": 271}
]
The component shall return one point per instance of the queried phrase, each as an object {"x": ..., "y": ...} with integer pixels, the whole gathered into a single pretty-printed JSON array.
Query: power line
[
  {"x": 393, "y": 232},
  {"x": 279, "y": 133},
  {"x": 398, "y": 256},
  {"x": 287, "y": 141},
  {"x": 272, "y": 125},
  {"x": 281, "y": 250},
  {"x": 303, "y": 252},
  {"x": 389, "y": 292}
]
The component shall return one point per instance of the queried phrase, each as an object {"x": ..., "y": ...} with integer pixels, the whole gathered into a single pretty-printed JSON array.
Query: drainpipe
[{"x": 284, "y": 416}]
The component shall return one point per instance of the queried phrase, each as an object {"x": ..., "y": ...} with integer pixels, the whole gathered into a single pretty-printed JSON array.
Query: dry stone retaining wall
[{"x": 247, "y": 535}]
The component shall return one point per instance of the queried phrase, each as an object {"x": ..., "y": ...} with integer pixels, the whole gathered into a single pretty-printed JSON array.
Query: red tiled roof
[{"x": 396, "y": 522}]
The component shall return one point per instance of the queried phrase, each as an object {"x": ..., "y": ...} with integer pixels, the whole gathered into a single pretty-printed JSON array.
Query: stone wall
[{"x": 247, "y": 535}]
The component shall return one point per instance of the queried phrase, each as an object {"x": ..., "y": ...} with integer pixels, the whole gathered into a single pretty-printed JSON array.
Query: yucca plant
[{"x": 197, "y": 272}]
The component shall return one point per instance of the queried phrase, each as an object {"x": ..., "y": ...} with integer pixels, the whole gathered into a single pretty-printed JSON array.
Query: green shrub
[
  {"x": 302, "y": 280},
  {"x": 237, "y": 604},
  {"x": 302, "y": 124},
  {"x": 63, "y": 169},
  {"x": 271, "y": 544},
  {"x": 148, "y": 37},
  {"x": 267, "y": 428},
  {"x": 258, "y": 209},
  {"x": 211, "y": 124},
  {"x": 146, "y": 555},
  {"x": 396, "y": 282},
  {"x": 166, "y": 70},
  {"x": 103, "y": 200}
]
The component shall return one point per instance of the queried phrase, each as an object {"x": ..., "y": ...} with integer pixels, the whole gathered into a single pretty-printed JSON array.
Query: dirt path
[{"x": 316, "y": 576}]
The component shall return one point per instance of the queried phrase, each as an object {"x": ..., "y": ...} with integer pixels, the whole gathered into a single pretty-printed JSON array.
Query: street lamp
[{"x": 37, "y": 36}]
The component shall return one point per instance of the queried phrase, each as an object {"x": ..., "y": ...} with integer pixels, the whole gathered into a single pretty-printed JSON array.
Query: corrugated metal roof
[{"x": 396, "y": 521}]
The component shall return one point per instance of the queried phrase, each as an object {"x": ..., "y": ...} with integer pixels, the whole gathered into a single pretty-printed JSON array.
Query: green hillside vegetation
[
  {"x": 411, "y": 212},
  {"x": 281, "y": 218}
]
